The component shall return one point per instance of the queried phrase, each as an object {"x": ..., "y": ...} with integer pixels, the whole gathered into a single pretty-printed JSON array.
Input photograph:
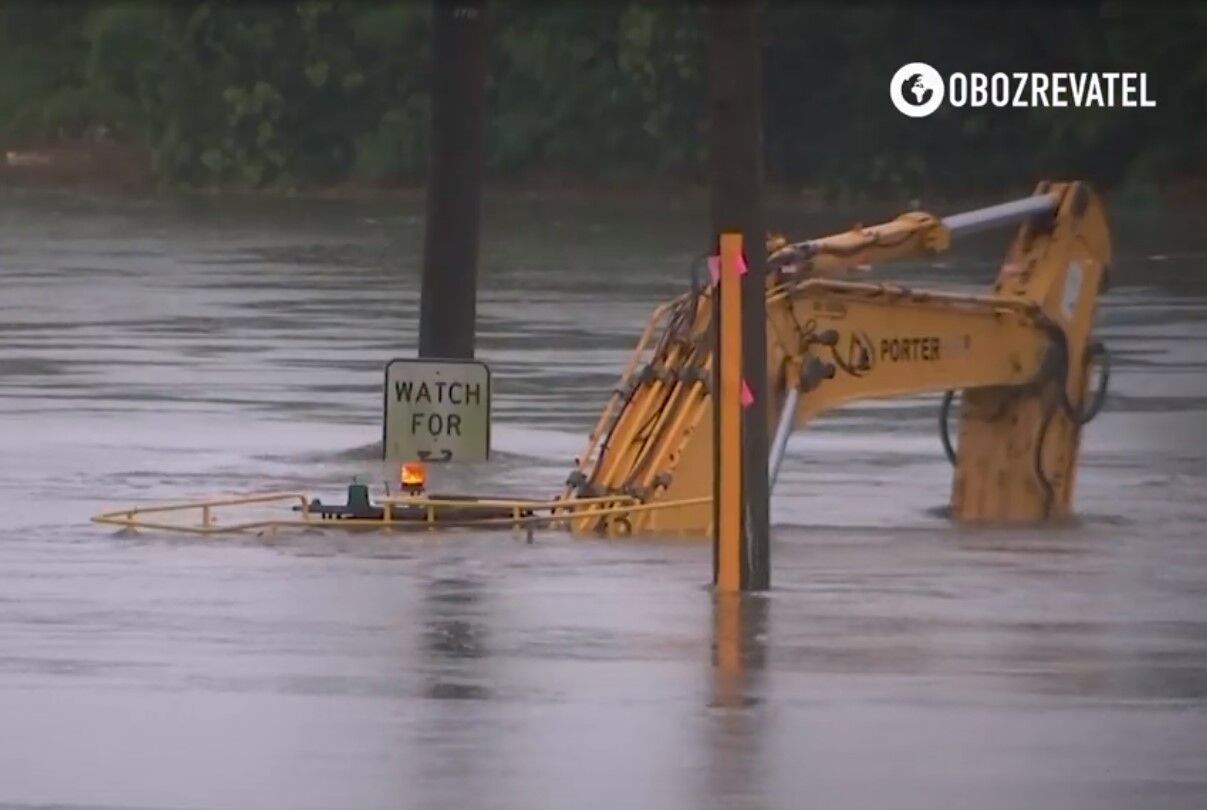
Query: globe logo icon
[{"x": 917, "y": 89}]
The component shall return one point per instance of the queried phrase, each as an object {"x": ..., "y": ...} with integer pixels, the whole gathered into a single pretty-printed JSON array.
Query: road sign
[{"x": 436, "y": 410}]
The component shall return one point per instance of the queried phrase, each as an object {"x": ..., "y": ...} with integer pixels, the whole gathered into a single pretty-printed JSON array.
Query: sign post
[
  {"x": 448, "y": 298},
  {"x": 735, "y": 143},
  {"x": 436, "y": 410}
]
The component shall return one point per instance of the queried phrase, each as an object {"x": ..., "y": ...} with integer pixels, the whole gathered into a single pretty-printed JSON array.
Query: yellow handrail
[
  {"x": 126, "y": 517},
  {"x": 523, "y": 513}
]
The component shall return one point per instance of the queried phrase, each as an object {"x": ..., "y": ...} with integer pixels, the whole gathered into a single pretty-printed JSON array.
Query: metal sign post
[{"x": 436, "y": 410}]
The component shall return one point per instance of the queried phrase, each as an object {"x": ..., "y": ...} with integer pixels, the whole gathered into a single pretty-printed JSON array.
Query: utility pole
[
  {"x": 448, "y": 300},
  {"x": 736, "y": 139}
]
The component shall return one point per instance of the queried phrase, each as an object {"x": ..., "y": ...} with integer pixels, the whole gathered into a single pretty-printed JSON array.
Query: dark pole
[
  {"x": 448, "y": 301},
  {"x": 735, "y": 97}
]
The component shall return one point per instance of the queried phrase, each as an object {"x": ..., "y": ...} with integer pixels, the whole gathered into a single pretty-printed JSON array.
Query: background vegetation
[{"x": 280, "y": 95}]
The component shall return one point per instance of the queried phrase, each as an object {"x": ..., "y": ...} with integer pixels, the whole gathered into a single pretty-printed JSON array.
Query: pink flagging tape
[
  {"x": 714, "y": 266},
  {"x": 747, "y": 395}
]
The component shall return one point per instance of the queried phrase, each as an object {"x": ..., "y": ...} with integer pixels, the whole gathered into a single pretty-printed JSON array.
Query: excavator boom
[{"x": 1020, "y": 356}]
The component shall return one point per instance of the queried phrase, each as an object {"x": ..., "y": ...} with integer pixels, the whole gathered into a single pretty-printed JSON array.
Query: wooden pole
[
  {"x": 727, "y": 404},
  {"x": 735, "y": 94},
  {"x": 448, "y": 300}
]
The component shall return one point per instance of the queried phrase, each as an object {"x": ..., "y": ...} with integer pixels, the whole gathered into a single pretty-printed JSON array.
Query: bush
[{"x": 270, "y": 95}]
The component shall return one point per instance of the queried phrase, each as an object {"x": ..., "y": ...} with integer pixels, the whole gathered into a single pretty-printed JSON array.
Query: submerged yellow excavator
[{"x": 1019, "y": 357}]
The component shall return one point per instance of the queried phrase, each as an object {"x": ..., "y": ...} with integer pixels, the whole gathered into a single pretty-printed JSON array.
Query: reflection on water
[
  {"x": 154, "y": 349},
  {"x": 739, "y": 648},
  {"x": 735, "y": 726},
  {"x": 456, "y": 738},
  {"x": 454, "y": 639}
]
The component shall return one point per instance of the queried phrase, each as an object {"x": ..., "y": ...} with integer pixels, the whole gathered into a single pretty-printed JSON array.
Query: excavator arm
[
  {"x": 908, "y": 236},
  {"x": 1020, "y": 355}
]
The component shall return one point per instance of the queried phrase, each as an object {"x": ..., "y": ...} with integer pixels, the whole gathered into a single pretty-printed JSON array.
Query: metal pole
[
  {"x": 735, "y": 143},
  {"x": 982, "y": 219},
  {"x": 448, "y": 299},
  {"x": 782, "y": 431}
]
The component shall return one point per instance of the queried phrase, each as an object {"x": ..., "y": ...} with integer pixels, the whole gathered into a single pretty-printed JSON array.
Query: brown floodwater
[{"x": 155, "y": 349}]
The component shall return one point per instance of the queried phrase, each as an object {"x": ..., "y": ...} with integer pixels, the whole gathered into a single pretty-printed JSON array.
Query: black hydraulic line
[
  {"x": 1059, "y": 377},
  {"x": 644, "y": 432},
  {"x": 678, "y": 314},
  {"x": 805, "y": 332},
  {"x": 1083, "y": 417},
  {"x": 680, "y": 317},
  {"x": 1055, "y": 371},
  {"x": 673, "y": 323},
  {"x": 1086, "y": 415},
  {"x": 944, "y": 429},
  {"x": 807, "y": 336},
  {"x": 1040, "y": 474},
  {"x": 1097, "y": 349},
  {"x": 628, "y": 400},
  {"x": 1094, "y": 350},
  {"x": 945, "y": 422}
]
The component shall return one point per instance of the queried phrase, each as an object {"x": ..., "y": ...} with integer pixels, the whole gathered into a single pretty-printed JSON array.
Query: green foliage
[
  {"x": 275, "y": 95},
  {"x": 40, "y": 47},
  {"x": 396, "y": 149}
]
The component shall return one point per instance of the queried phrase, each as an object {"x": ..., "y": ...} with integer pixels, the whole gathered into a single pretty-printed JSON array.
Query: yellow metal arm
[
  {"x": 887, "y": 341},
  {"x": 909, "y": 235}
]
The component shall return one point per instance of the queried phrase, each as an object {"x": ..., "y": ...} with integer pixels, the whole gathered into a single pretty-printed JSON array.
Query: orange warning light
[{"x": 413, "y": 476}]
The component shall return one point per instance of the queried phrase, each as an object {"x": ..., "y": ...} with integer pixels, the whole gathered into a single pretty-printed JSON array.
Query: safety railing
[
  {"x": 136, "y": 517},
  {"x": 425, "y": 514}
]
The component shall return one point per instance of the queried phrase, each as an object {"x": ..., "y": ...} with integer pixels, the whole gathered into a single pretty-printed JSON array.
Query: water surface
[{"x": 165, "y": 349}]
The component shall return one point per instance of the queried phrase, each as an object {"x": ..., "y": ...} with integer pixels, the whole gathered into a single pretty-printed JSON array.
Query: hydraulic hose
[
  {"x": 944, "y": 429},
  {"x": 1094, "y": 350},
  {"x": 1040, "y": 474},
  {"x": 1061, "y": 361},
  {"x": 1058, "y": 374}
]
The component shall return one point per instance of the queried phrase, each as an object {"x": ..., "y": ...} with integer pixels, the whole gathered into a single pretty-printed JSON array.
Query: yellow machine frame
[{"x": 1020, "y": 356}]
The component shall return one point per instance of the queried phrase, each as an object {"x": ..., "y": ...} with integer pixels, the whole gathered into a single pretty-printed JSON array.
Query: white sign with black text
[{"x": 436, "y": 410}]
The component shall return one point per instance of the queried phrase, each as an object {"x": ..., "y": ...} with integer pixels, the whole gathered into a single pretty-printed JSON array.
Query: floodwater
[{"x": 167, "y": 349}]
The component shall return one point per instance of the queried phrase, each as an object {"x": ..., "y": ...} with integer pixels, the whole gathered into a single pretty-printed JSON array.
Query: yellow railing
[
  {"x": 135, "y": 517},
  {"x": 521, "y": 514}
]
